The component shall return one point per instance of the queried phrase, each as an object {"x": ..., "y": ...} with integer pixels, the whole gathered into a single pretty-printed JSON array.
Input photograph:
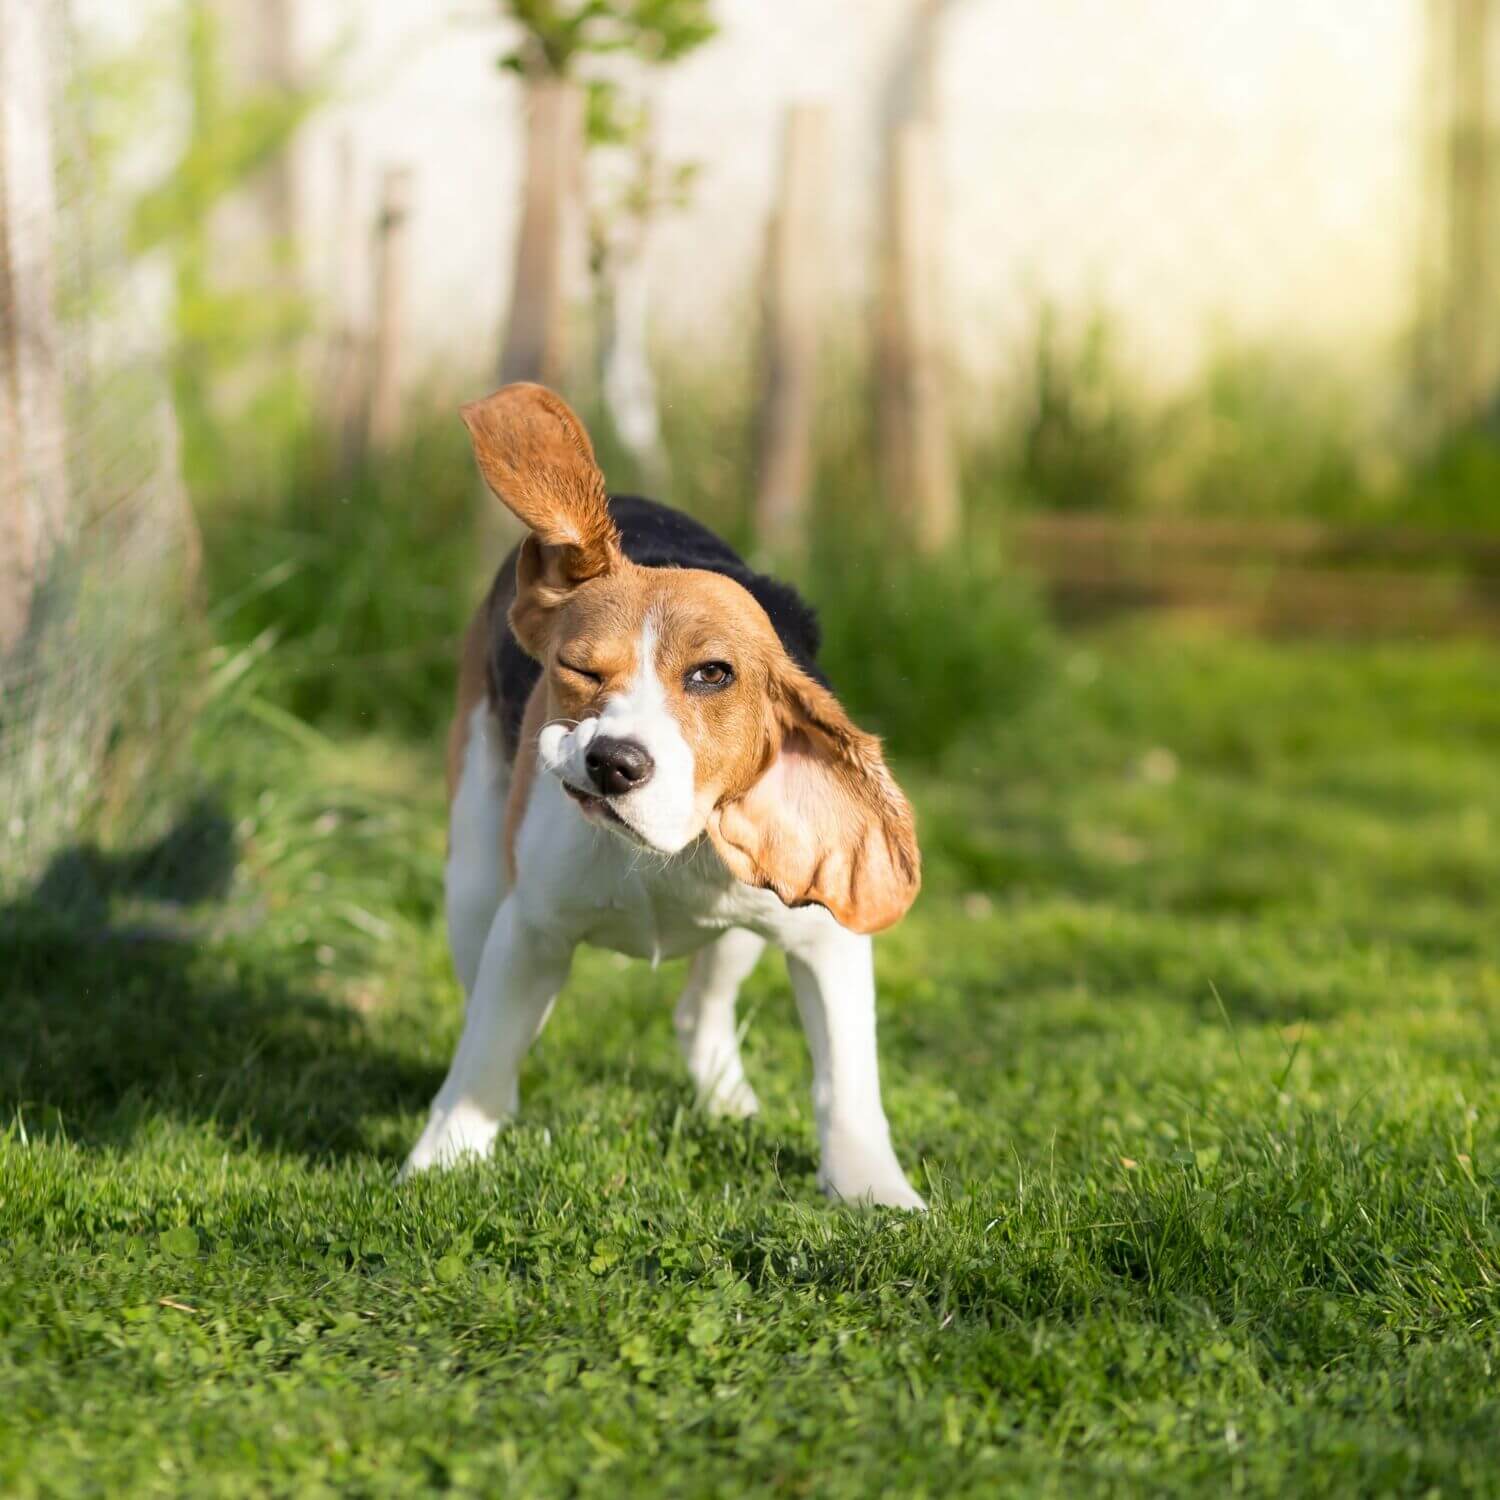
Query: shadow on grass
[{"x": 118, "y": 1006}]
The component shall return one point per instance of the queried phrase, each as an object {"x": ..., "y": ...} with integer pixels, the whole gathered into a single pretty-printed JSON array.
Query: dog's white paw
[
  {"x": 866, "y": 1172},
  {"x": 451, "y": 1136}
]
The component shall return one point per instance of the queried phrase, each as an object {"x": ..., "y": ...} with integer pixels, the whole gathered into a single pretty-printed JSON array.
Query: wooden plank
[
  {"x": 1313, "y": 600},
  {"x": 1098, "y": 566},
  {"x": 33, "y": 469},
  {"x": 1041, "y": 537}
]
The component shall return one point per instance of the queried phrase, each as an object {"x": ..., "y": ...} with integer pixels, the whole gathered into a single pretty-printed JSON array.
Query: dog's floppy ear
[
  {"x": 826, "y": 823},
  {"x": 535, "y": 455}
]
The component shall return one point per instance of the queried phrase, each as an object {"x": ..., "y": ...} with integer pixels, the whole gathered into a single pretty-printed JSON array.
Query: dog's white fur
[{"x": 586, "y": 883}]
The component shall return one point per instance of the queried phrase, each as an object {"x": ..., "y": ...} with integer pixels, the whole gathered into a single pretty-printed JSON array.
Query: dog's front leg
[
  {"x": 705, "y": 1022},
  {"x": 833, "y": 975},
  {"x": 520, "y": 972}
]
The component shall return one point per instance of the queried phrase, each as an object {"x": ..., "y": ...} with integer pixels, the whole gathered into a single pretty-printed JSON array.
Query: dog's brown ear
[
  {"x": 826, "y": 823},
  {"x": 535, "y": 455}
]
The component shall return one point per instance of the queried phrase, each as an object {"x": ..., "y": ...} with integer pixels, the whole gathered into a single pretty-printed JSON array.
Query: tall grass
[
  {"x": 362, "y": 584},
  {"x": 1264, "y": 431},
  {"x": 362, "y": 580}
]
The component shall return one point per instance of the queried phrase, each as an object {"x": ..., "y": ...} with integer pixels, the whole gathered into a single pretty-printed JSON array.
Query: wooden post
[
  {"x": 791, "y": 313},
  {"x": 536, "y": 335},
  {"x": 343, "y": 386},
  {"x": 33, "y": 468},
  {"x": 915, "y": 441},
  {"x": 388, "y": 355},
  {"x": 1471, "y": 312}
]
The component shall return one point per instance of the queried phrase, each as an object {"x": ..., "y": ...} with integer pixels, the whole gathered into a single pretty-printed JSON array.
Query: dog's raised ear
[
  {"x": 535, "y": 455},
  {"x": 826, "y": 823}
]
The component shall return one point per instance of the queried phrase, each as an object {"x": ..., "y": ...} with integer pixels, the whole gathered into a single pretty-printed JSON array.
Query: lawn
[{"x": 1193, "y": 1042}]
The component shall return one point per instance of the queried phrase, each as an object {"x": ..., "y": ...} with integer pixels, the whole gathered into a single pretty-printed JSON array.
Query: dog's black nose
[{"x": 617, "y": 766}]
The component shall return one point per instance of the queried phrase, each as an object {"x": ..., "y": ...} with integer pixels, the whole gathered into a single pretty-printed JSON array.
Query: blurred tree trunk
[
  {"x": 536, "y": 336},
  {"x": 792, "y": 311},
  {"x": 916, "y": 441},
  {"x": 914, "y": 436},
  {"x": 33, "y": 470},
  {"x": 1472, "y": 306}
]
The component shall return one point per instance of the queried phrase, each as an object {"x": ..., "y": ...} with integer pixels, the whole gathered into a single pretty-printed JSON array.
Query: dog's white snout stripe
[{"x": 663, "y": 810}]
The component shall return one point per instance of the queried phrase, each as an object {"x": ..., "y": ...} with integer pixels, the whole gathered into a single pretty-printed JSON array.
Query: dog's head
[{"x": 672, "y": 708}]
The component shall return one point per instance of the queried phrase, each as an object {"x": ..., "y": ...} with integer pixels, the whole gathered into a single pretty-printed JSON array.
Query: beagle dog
[{"x": 645, "y": 757}]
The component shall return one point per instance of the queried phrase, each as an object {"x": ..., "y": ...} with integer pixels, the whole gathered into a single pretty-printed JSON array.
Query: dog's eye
[
  {"x": 710, "y": 677},
  {"x": 567, "y": 666}
]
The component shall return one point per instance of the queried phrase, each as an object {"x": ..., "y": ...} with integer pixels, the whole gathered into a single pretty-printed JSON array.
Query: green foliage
[
  {"x": 1258, "y": 433},
  {"x": 923, "y": 650},
  {"x": 365, "y": 583},
  {"x": 229, "y": 144},
  {"x": 1263, "y": 431},
  {"x": 223, "y": 333},
  {"x": 1265, "y": 434},
  {"x": 1191, "y": 1040},
  {"x": 559, "y": 34},
  {"x": 1080, "y": 443},
  {"x": 364, "y": 580},
  {"x": 1458, "y": 482},
  {"x": 559, "y": 38}
]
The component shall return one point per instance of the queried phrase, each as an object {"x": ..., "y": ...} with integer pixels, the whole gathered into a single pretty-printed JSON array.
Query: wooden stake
[
  {"x": 915, "y": 443},
  {"x": 342, "y": 386},
  {"x": 536, "y": 335},
  {"x": 791, "y": 313},
  {"x": 388, "y": 355},
  {"x": 1473, "y": 359},
  {"x": 33, "y": 470}
]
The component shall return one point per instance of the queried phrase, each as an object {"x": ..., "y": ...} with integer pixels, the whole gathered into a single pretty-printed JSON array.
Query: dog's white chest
[
  {"x": 613, "y": 895},
  {"x": 655, "y": 914}
]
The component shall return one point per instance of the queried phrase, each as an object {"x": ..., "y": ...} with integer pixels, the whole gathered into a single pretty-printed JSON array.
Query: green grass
[{"x": 1191, "y": 1041}]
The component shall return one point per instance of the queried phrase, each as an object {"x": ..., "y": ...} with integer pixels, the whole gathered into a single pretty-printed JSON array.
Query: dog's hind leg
[
  {"x": 474, "y": 879},
  {"x": 705, "y": 1022},
  {"x": 519, "y": 975}
]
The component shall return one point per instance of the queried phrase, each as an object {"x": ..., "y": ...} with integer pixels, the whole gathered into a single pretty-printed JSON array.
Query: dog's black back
[{"x": 655, "y": 536}]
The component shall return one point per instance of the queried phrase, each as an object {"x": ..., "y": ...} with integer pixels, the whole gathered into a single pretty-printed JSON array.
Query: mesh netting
[{"x": 96, "y": 653}]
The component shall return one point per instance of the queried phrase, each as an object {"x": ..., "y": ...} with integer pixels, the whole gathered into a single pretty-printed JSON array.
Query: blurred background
[{"x": 995, "y": 324}]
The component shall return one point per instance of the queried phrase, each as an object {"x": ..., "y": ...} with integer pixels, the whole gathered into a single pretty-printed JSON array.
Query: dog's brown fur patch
[
  {"x": 473, "y": 689},
  {"x": 523, "y": 775}
]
